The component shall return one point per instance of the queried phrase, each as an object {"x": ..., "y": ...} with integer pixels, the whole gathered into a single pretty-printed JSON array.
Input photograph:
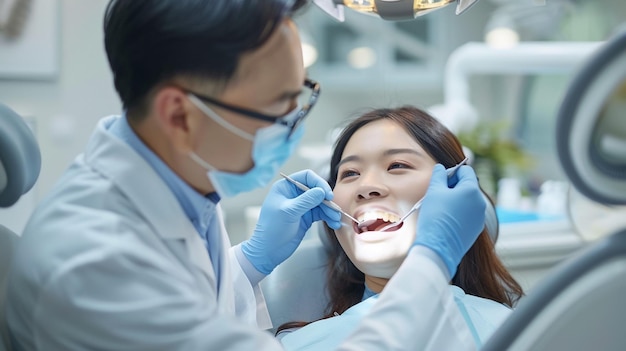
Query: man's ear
[{"x": 172, "y": 110}]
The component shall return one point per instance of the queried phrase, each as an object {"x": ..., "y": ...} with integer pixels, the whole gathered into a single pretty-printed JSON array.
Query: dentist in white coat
[{"x": 129, "y": 250}]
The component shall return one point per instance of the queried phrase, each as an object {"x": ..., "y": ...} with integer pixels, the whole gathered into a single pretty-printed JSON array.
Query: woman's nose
[
  {"x": 368, "y": 194},
  {"x": 371, "y": 188}
]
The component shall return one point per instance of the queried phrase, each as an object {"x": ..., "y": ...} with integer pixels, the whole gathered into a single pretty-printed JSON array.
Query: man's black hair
[{"x": 150, "y": 42}]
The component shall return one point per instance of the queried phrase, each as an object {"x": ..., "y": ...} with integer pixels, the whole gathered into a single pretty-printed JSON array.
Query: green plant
[{"x": 495, "y": 152}]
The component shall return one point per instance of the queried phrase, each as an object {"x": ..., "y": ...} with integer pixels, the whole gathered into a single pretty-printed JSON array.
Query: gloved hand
[
  {"x": 452, "y": 216},
  {"x": 286, "y": 215}
]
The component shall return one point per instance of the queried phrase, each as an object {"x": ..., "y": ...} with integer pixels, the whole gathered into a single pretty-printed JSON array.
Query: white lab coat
[{"x": 109, "y": 261}]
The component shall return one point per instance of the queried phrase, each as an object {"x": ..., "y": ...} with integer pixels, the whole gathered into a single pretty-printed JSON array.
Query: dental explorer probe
[{"x": 328, "y": 203}]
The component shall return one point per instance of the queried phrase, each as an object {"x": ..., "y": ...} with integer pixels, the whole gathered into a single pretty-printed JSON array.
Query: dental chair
[
  {"x": 20, "y": 163},
  {"x": 296, "y": 289},
  {"x": 580, "y": 304}
]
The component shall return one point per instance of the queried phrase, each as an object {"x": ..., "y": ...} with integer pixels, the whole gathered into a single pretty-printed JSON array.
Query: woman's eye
[
  {"x": 348, "y": 173},
  {"x": 397, "y": 165}
]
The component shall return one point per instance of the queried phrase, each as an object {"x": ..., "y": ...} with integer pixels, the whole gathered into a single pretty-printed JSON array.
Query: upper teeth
[{"x": 373, "y": 215}]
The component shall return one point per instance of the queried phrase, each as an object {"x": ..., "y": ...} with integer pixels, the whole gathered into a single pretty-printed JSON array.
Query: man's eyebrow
[{"x": 288, "y": 95}]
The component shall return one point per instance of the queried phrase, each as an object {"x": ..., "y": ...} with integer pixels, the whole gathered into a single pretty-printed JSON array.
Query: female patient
[{"x": 380, "y": 167}]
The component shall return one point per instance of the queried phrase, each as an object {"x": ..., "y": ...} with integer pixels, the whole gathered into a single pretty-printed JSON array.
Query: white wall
[
  {"x": 82, "y": 92},
  {"x": 66, "y": 108}
]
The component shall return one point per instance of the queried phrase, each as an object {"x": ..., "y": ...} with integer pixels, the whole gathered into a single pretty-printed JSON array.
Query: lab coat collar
[
  {"x": 117, "y": 161},
  {"x": 198, "y": 207}
]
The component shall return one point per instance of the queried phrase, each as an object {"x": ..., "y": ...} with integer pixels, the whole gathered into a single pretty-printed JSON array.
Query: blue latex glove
[
  {"x": 286, "y": 215},
  {"x": 452, "y": 215}
]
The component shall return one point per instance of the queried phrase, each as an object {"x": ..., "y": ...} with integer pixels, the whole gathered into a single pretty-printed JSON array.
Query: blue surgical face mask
[{"x": 270, "y": 149}]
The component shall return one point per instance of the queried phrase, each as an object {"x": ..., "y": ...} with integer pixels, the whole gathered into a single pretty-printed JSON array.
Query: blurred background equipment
[
  {"x": 393, "y": 10},
  {"x": 579, "y": 305},
  {"x": 591, "y": 143},
  {"x": 13, "y": 17}
]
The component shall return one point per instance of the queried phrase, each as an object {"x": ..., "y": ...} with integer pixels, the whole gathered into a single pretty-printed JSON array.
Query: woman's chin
[{"x": 380, "y": 269}]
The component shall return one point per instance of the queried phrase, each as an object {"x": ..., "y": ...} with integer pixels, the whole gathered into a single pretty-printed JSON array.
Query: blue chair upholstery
[
  {"x": 20, "y": 163},
  {"x": 296, "y": 289},
  {"x": 20, "y": 160}
]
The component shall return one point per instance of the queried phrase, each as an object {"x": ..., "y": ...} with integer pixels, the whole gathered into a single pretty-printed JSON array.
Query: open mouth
[{"x": 376, "y": 220}]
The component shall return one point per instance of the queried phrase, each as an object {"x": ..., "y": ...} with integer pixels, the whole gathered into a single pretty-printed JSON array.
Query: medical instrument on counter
[
  {"x": 450, "y": 171},
  {"x": 392, "y": 10},
  {"x": 328, "y": 203}
]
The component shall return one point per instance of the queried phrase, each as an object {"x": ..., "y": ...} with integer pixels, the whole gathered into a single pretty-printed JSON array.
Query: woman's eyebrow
[
  {"x": 389, "y": 152},
  {"x": 403, "y": 151},
  {"x": 348, "y": 159}
]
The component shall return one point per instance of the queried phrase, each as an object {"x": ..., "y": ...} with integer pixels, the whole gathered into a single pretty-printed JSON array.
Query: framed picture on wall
[{"x": 29, "y": 39}]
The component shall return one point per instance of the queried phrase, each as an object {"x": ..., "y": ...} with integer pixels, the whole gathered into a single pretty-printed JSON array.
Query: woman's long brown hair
[{"x": 480, "y": 273}]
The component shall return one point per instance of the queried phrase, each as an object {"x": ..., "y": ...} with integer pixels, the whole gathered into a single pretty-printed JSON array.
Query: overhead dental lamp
[{"x": 392, "y": 10}]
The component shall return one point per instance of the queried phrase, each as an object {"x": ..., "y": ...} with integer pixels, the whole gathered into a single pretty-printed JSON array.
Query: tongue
[
  {"x": 365, "y": 224},
  {"x": 372, "y": 225},
  {"x": 377, "y": 225}
]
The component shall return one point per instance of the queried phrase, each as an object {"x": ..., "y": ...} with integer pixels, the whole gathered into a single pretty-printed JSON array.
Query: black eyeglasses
[{"x": 292, "y": 122}]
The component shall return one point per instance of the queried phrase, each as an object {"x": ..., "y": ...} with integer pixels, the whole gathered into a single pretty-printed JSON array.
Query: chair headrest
[{"x": 20, "y": 158}]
